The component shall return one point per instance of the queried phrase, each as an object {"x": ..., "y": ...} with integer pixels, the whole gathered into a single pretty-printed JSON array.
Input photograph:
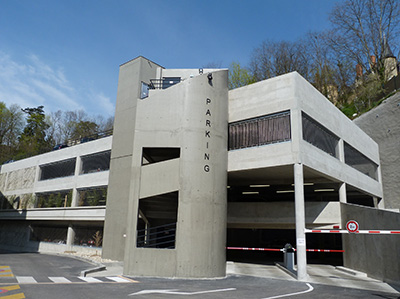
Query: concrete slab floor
[{"x": 320, "y": 274}]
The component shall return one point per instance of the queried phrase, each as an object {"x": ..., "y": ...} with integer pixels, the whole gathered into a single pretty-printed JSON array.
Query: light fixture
[
  {"x": 209, "y": 76},
  {"x": 258, "y": 186},
  {"x": 324, "y": 190},
  {"x": 250, "y": 192}
]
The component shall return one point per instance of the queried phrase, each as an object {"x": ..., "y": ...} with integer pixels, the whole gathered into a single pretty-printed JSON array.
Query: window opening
[
  {"x": 96, "y": 162},
  {"x": 317, "y": 135},
  {"x": 53, "y": 234},
  {"x": 144, "y": 91},
  {"x": 272, "y": 128},
  {"x": 360, "y": 162},
  {"x": 93, "y": 196},
  {"x": 58, "y": 169},
  {"x": 157, "y": 217},
  {"x": 158, "y": 154},
  {"x": 90, "y": 236},
  {"x": 60, "y": 199}
]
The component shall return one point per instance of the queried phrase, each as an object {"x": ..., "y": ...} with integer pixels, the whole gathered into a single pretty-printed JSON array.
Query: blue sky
[{"x": 65, "y": 55}]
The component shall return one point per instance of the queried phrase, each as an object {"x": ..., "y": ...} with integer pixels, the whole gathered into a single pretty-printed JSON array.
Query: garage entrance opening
[{"x": 277, "y": 239}]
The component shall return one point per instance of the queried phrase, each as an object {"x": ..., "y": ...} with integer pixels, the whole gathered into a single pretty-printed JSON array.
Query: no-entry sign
[{"x": 352, "y": 226}]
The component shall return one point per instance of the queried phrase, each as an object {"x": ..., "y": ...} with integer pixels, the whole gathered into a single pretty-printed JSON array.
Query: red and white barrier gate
[
  {"x": 344, "y": 231},
  {"x": 257, "y": 249},
  {"x": 275, "y": 249}
]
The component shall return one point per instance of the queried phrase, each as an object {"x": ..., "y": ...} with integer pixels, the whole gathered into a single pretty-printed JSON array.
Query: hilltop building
[{"x": 192, "y": 167}]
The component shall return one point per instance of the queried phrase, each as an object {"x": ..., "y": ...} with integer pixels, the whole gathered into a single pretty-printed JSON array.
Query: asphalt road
[{"x": 51, "y": 277}]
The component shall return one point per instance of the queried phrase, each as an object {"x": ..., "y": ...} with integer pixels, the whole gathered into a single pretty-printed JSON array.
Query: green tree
[
  {"x": 11, "y": 123},
  {"x": 368, "y": 93},
  {"x": 239, "y": 76},
  {"x": 84, "y": 128},
  {"x": 33, "y": 140}
]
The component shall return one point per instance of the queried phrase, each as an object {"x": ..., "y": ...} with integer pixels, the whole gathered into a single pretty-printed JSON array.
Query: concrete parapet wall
[
  {"x": 96, "y": 213},
  {"x": 376, "y": 255}
]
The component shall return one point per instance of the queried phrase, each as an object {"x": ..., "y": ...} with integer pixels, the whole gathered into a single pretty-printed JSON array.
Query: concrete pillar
[
  {"x": 342, "y": 193},
  {"x": 340, "y": 156},
  {"x": 75, "y": 198},
  {"x": 75, "y": 193},
  {"x": 300, "y": 222},
  {"x": 380, "y": 201},
  {"x": 340, "y": 151},
  {"x": 70, "y": 237},
  {"x": 37, "y": 178}
]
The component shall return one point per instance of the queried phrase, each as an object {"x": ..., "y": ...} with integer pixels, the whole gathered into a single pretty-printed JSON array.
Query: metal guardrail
[
  {"x": 90, "y": 137},
  {"x": 163, "y": 83},
  {"x": 162, "y": 236}
]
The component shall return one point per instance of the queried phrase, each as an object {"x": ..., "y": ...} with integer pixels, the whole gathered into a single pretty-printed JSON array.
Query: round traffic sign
[{"x": 352, "y": 226}]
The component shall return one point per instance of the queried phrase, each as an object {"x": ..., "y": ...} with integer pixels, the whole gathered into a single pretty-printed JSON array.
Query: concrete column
[
  {"x": 75, "y": 193},
  {"x": 70, "y": 237},
  {"x": 75, "y": 198},
  {"x": 78, "y": 166},
  {"x": 340, "y": 151},
  {"x": 300, "y": 222},
  {"x": 342, "y": 193},
  {"x": 340, "y": 156},
  {"x": 37, "y": 178},
  {"x": 381, "y": 201}
]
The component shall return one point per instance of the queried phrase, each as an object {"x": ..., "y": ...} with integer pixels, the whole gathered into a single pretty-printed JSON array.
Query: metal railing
[
  {"x": 88, "y": 138},
  {"x": 163, "y": 83},
  {"x": 162, "y": 236}
]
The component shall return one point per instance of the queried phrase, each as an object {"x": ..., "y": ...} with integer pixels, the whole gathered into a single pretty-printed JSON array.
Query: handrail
[
  {"x": 163, "y": 83},
  {"x": 91, "y": 137},
  {"x": 162, "y": 236}
]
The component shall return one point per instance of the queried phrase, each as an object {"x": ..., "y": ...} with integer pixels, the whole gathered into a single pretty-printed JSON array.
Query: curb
[
  {"x": 291, "y": 273},
  {"x": 100, "y": 267},
  {"x": 93, "y": 270},
  {"x": 350, "y": 271}
]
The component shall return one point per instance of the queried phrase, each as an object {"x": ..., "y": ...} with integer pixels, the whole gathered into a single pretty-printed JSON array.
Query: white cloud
[
  {"x": 35, "y": 83},
  {"x": 105, "y": 104}
]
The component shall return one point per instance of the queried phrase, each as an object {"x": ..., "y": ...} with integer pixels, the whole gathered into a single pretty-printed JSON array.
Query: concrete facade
[
  {"x": 190, "y": 159},
  {"x": 298, "y": 161},
  {"x": 22, "y": 184},
  {"x": 383, "y": 125}
]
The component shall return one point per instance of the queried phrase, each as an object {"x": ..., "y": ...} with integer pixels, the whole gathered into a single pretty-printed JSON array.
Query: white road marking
[
  {"x": 59, "y": 280},
  {"x": 25, "y": 279},
  {"x": 174, "y": 292},
  {"x": 90, "y": 279},
  {"x": 310, "y": 288},
  {"x": 118, "y": 279}
]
